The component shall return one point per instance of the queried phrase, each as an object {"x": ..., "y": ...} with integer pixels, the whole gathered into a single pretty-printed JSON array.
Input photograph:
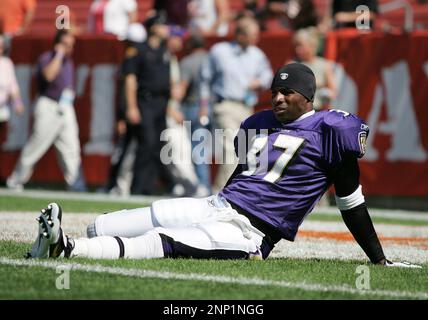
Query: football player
[{"x": 292, "y": 156}]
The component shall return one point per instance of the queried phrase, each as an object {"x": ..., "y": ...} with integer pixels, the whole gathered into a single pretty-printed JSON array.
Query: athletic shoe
[{"x": 51, "y": 240}]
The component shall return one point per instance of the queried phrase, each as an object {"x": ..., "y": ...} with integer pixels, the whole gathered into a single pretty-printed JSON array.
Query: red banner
[
  {"x": 388, "y": 76},
  {"x": 383, "y": 78}
]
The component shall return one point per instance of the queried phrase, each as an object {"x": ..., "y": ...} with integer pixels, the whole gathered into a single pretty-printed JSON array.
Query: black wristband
[{"x": 360, "y": 224}]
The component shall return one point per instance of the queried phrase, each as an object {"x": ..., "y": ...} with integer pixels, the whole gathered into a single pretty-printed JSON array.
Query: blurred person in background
[
  {"x": 305, "y": 43},
  {"x": 16, "y": 16},
  {"x": 254, "y": 9},
  {"x": 123, "y": 157},
  {"x": 292, "y": 14},
  {"x": 10, "y": 97},
  {"x": 232, "y": 76},
  {"x": 179, "y": 145},
  {"x": 54, "y": 117},
  {"x": 117, "y": 15},
  {"x": 176, "y": 12},
  {"x": 209, "y": 17},
  {"x": 147, "y": 92},
  {"x": 96, "y": 16},
  {"x": 304, "y": 15},
  {"x": 198, "y": 115},
  {"x": 345, "y": 14}
]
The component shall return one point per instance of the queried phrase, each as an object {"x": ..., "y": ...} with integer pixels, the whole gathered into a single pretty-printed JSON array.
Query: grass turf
[
  {"x": 20, "y": 203},
  {"x": 34, "y": 282}
]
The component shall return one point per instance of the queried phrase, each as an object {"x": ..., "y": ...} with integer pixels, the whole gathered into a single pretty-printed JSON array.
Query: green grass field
[{"x": 275, "y": 278}]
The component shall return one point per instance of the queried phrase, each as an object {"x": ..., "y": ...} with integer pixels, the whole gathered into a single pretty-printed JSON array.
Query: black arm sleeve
[{"x": 357, "y": 219}]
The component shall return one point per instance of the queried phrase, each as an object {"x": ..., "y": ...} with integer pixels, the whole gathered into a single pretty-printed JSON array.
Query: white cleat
[{"x": 49, "y": 231}]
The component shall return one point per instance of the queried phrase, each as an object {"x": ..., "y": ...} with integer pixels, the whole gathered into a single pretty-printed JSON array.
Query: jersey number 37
[{"x": 257, "y": 156}]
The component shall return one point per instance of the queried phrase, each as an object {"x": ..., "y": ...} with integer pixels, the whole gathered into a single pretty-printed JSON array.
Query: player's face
[{"x": 288, "y": 105}]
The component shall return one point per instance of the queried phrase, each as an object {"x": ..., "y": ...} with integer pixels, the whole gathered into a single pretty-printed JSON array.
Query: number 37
[{"x": 289, "y": 146}]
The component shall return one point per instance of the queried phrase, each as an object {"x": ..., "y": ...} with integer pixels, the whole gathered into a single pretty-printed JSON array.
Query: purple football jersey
[{"x": 288, "y": 166}]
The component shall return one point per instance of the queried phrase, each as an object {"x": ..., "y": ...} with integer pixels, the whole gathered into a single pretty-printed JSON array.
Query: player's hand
[{"x": 403, "y": 264}]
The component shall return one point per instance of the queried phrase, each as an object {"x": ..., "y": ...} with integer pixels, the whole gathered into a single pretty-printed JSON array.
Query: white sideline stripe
[{"x": 141, "y": 273}]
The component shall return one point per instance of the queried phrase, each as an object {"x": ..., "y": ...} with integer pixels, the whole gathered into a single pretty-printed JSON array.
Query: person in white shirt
[
  {"x": 118, "y": 15},
  {"x": 209, "y": 17},
  {"x": 9, "y": 89}
]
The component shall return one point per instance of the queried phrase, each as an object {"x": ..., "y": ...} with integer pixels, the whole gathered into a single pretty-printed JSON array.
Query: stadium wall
[{"x": 381, "y": 77}]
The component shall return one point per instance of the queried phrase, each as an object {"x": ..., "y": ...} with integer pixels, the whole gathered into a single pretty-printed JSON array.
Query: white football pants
[{"x": 186, "y": 227}]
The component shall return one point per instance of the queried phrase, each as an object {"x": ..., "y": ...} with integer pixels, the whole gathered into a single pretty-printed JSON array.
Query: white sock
[
  {"x": 124, "y": 223},
  {"x": 146, "y": 246},
  {"x": 96, "y": 248}
]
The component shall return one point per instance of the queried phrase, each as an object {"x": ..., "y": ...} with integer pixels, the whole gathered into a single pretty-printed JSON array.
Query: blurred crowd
[{"x": 167, "y": 78}]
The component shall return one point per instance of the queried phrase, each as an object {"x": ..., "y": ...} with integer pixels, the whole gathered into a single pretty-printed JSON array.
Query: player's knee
[
  {"x": 94, "y": 229},
  {"x": 91, "y": 231}
]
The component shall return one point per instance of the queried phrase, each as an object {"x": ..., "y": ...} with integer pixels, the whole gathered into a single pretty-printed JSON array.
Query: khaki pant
[
  {"x": 53, "y": 124},
  {"x": 228, "y": 116}
]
